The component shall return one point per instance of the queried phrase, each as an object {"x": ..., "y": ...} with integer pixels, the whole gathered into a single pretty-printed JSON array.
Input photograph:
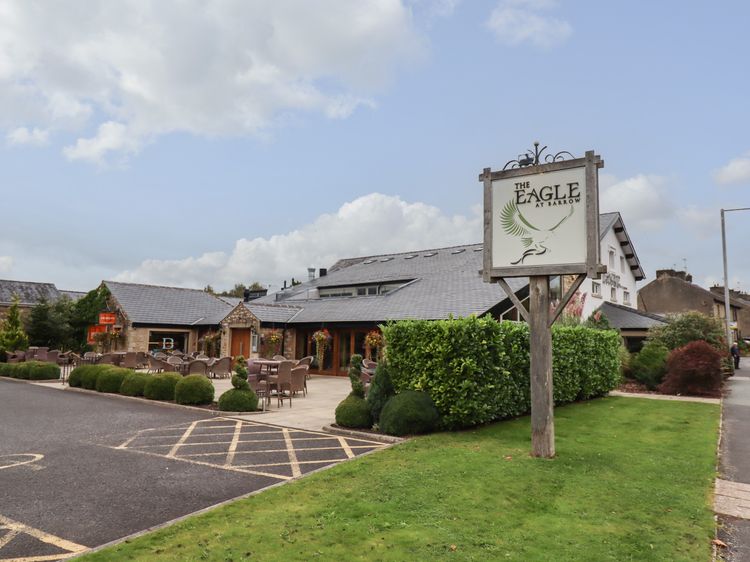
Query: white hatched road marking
[
  {"x": 292, "y": 455},
  {"x": 182, "y": 439},
  {"x": 233, "y": 444},
  {"x": 12, "y": 461}
]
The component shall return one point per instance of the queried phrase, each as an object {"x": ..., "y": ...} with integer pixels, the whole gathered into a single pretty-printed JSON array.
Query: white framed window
[
  {"x": 596, "y": 289},
  {"x": 626, "y": 297},
  {"x": 622, "y": 264},
  {"x": 611, "y": 259},
  {"x": 254, "y": 343},
  {"x": 613, "y": 294}
]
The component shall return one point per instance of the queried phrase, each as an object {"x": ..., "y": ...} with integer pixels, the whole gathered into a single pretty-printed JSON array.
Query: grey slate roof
[
  {"x": 609, "y": 221},
  {"x": 624, "y": 318},
  {"x": 173, "y": 306},
  {"x": 278, "y": 314},
  {"x": 73, "y": 295},
  {"x": 435, "y": 287},
  {"x": 29, "y": 293}
]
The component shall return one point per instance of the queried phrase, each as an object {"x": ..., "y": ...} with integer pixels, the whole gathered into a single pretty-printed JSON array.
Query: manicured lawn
[{"x": 632, "y": 481}]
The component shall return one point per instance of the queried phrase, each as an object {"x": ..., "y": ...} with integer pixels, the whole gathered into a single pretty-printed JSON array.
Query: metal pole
[{"x": 727, "y": 309}]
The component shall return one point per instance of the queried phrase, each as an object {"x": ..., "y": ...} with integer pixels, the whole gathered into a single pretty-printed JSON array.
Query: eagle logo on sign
[{"x": 533, "y": 238}]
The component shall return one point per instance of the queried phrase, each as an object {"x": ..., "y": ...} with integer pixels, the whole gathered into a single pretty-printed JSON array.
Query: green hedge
[
  {"x": 354, "y": 411},
  {"x": 134, "y": 384},
  {"x": 409, "y": 413},
  {"x": 110, "y": 379},
  {"x": 236, "y": 400},
  {"x": 75, "y": 379},
  {"x": 30, "y": 370},
  {"x": 476, "y": 370},
  {"x": 194, "y": 389},
  {"x": 161, "y": 387}
]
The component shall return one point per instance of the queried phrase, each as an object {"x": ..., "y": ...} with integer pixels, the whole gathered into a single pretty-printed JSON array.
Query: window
[
  {"x": 596, "y": 289},
  {"x": 254, "y": 343},
  {"x": 167, "y": 341},
  {"x": 622, "y": 264},
  {"x": 613, "y": 294},
  {"x": 611, "y": 259},
  {"x": 626, "y": 297}
]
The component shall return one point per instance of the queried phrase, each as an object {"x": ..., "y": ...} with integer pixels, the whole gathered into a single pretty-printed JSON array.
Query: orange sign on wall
[
  {"x": 107, "y": 318},
  {"x": 95, "y": 330}
]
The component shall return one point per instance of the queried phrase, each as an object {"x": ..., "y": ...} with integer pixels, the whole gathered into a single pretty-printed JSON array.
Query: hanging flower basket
[
  {"x": 322, "y": 339},
  {"x": 373, "y": 340},
  {"x": 273, "y": 341}
]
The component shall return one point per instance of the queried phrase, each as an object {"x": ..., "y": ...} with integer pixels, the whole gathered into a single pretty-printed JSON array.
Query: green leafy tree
[
  {"x": 239, "y": 290},
  {"x": 48, "y": 324},
  {"x": 85, "y": 313},
  {"x": 209, "y": 289},
  {"x": 12, "y": 335},
  {"x": 682, "y": 329}
]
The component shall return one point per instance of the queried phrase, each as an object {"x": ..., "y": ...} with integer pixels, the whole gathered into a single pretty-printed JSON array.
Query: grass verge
[{"x": 632, "y": 481}]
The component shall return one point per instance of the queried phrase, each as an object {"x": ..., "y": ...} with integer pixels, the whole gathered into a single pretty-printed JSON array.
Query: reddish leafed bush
[{"x": 693, "y": 369}]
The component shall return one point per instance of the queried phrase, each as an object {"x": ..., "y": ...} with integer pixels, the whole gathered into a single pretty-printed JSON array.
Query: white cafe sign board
[{"x": 542, "y": 220}]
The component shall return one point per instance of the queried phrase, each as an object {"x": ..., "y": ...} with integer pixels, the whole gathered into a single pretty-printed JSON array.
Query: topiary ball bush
[
  {"x": 408, "y": 413},
  {"x": 194, "y": 389},
  {"x": 89, "y": 376},
  {"x": 133, "y": 384},
  {"x": 110, "y": 380},
  {"x": 75, "y": 379},
  {"x": 161, "y": 387},
  {"x": 694, "y": 369},
  {"x": 240, "y": 383},
  {"x": 236, "y": 400},
  {"x": 354, "y": 412}
]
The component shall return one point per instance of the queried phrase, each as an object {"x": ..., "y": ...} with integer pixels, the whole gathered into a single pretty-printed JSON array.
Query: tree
[
  {"x": 687, "y": 327},
  {"x": 239, "y": 290},
  {"x": 12, "y": 336},
  {"x": 48, "y": 324},
  {"x": 209, "y": 289},
  {"x": 85, "y": 313}
]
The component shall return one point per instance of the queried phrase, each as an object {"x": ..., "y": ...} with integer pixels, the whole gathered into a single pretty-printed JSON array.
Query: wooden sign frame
[{"x": 591, "y": 267}]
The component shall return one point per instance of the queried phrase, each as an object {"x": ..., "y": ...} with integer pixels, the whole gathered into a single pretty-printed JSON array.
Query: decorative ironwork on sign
[{"x": 530, "y": 158}]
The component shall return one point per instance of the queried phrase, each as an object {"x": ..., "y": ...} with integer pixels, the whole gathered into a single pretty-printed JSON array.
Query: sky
[{"x": 220, "y": 142}]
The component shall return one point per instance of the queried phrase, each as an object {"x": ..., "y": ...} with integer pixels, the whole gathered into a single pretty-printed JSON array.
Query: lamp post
[{"x": 727, "y": 311}]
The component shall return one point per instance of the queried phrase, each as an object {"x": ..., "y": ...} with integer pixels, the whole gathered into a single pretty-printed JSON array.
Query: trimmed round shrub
[
  {"x": 354, "y": 412},
  {"x": 194, "y": 389},
  {"x": 650, "y": 364},
  {"x": 694, "y": 369},
  {"x": 240, "y": 383},
  {"x": 40, "y": 371},
  {"x": 409, "y": 413},
  {"x": 75, "y": 379},
  {"x": 110, "y": 380},
  {"x": 236, "y": 400},
  {"x": 133, "y": 384},
  {"x": 161, "y": 387},
  {"x": 89, "y": 376}
]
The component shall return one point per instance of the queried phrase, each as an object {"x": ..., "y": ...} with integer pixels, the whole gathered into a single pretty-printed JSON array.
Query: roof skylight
[{"x": 430, "y": 254}]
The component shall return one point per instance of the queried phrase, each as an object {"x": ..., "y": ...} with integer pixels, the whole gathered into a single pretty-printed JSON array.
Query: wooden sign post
[{"x": 542, "y": 219}]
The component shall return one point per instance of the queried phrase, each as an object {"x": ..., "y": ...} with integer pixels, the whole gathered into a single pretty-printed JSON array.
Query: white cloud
[
  {"x": 24, "y": 136},
  {"x": 736, "y": 171},
  {"x": 6, "y": 264},
  {"x": 522, "y": 21},
  {"x": 641, "y": 200},
  {"x": 137, "y": 69},
  {"x": 700, "y": 220},
  {"x": 372, "y": 224}
]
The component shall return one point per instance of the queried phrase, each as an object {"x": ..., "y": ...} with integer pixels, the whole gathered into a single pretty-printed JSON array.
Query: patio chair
[
  {"x": 222, "y": 368},
  {"x": 201, "y": 356},
  {"x": 305, "y": 361},
  {"x": 197, "y": 367},
  {"x": 41, "y": 354},
  {"x": 53, "y": 355},
  {"x": 299, "y": 380},
  {"x": 279, "y": 358},
  {"x": 253, "y": 368},
  {"x": 107, "y": 359},
  {"x": 160, "y": 355},
  {"x": 129, "y": 360},
  {"x": 167, "y": 367},
  {"x": 154, "y": 365},
  {"x": 17, "y": 357},
  {"x": 281, "y": 382},
  {"x": 177, "y": 353},
  {"x": 141, "y": 359}
]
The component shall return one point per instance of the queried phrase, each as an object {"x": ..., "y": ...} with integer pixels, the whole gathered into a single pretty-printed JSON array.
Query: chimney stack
[
  {"x": 323, "y": 271},
  {"x": 684, "y": 275}
]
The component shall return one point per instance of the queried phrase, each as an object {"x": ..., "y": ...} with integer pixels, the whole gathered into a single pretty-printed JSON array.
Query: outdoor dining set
[{"x": 279, "y": 376}]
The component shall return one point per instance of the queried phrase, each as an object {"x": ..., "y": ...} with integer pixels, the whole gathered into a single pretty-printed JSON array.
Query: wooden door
[{"x": 240, "y": 342}]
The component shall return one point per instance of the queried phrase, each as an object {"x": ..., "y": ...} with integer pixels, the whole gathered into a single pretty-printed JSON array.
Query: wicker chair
[
  {"x": 198, "y": 367},
  {"x": 299, "y": 380},
  {"x": 222, "y": 368},
  {"x": 129, "y": 360},
  {"x": 305, "y": 361},
  {"x": 17, "y": 357},
  {"x": 107, "y": 359},
  {"x": 141, "y": 359},
  {"x": 281, "y": 382},
  {"x": 279, "y": 358},
  {"x": 154, "y": 365}
]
